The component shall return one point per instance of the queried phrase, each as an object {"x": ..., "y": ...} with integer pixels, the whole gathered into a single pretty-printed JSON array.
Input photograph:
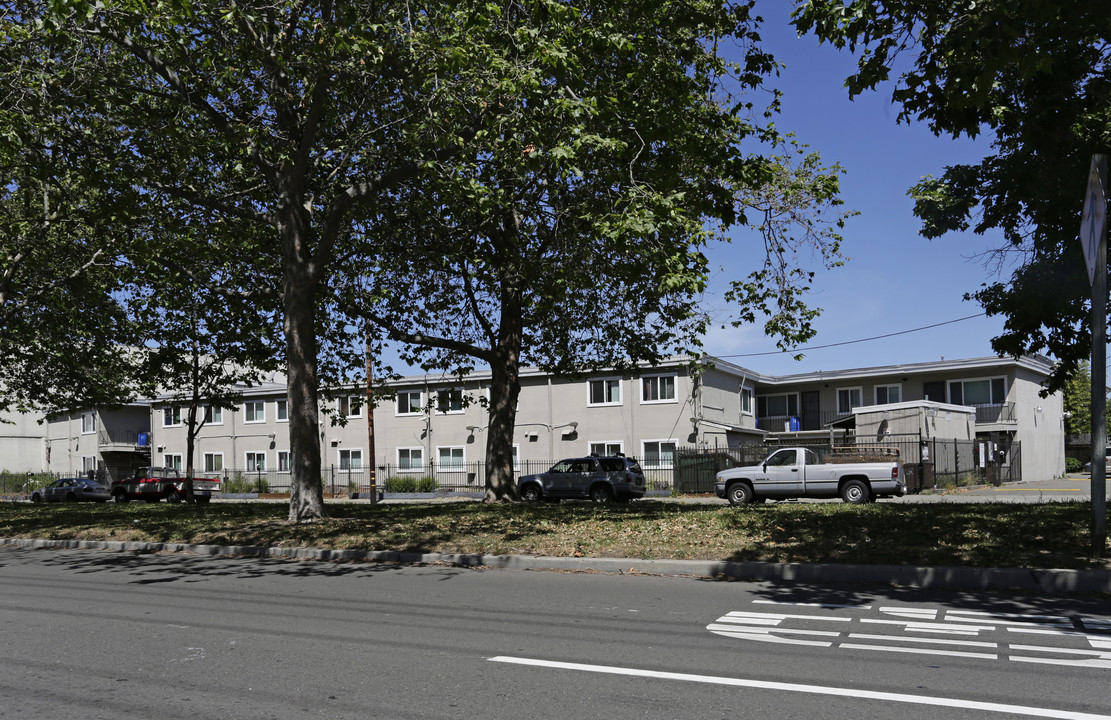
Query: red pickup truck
[{"x": 154, "y": 483}]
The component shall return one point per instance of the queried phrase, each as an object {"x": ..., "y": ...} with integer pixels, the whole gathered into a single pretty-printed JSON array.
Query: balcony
[
  {"x": 121, "y": 440},
  {"x": 996, "y": 414}
]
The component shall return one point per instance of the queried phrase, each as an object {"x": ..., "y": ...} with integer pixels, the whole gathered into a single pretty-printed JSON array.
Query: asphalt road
[{"x": 92, "y": 635}]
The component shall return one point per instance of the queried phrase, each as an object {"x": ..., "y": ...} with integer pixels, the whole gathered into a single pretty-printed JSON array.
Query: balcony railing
[{"x": 986, "y": 414}]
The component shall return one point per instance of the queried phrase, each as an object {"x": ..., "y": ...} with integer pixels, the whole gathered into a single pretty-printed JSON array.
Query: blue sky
[{"x": 895, "y": 280}]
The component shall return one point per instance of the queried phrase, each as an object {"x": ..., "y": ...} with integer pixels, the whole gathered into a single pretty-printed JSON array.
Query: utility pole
[
  {"x": 371, "y": 472},
  {"x": 1093, "y": 235}
]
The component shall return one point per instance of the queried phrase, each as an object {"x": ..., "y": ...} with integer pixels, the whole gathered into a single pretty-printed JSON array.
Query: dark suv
[{"x": 600, "y": 479}]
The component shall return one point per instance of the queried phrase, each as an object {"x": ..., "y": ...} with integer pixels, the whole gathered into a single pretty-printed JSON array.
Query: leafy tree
[
  {"x": 61, "y": 326},
  {"x": 1036, "y": 76},
  {"x": 568, "y": 233},
  {"x": 274, "y": 120}
]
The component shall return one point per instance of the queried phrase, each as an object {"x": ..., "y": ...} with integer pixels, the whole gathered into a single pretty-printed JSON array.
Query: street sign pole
[{"x": 1093, "y": 234}]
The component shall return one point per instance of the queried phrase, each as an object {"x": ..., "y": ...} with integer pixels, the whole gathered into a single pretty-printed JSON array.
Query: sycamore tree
[
  {"x": 203, "y": 347},
  {"x": 568, "y": 233},
  {"x": 1036, "y": 78},
  {"x": 279, "y": 117},
  {"x": 61, "y": 326}
]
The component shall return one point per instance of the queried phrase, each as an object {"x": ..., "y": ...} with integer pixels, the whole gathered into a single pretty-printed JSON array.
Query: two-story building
[{"x": 433, "y": 426}]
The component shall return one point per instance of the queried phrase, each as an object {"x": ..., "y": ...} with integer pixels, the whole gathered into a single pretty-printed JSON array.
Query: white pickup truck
[{"x": 797, "y": 472}]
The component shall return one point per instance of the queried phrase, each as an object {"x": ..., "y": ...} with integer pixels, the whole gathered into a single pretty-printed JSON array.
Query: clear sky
[{"x": 895, "y": 280}]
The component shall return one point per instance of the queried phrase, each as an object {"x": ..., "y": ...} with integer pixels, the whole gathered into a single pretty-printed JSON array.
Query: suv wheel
[
  {"x": 531, "y": 493},
  {"x": 601, "y": 493}
]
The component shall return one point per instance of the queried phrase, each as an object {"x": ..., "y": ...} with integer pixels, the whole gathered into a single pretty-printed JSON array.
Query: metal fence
[{"x": 928, "y": 462}]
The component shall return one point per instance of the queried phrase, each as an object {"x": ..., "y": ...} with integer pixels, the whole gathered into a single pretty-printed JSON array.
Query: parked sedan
[{"x": 72, "y": 490}]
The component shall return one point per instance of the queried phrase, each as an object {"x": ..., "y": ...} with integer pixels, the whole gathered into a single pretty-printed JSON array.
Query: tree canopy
[{"x": 1036, "y": 77}]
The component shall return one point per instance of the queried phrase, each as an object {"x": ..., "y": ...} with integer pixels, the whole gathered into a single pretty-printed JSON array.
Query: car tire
[
  {"x": 601, "y": 494},
  {"x": 173, "y": 496},
  {"x": 531, "y": 493},
  {"x": 740, "y": 493},
  {"x": 121, "y": 498},
  {"x": 856, "y": 492},
  {"x": 36, "y": 498}
]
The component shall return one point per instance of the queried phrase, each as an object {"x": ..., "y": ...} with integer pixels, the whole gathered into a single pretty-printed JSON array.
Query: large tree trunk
[
  {"x": 306, "y": 498},
  {"x": 505, "y": 387}
]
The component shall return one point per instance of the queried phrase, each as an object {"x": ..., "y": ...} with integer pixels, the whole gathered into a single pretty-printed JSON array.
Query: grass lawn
[{"x": 1052, "y": 535}]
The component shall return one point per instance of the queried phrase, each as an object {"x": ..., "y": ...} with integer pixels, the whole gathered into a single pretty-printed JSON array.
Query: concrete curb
[{"x": 953, "y": 578}]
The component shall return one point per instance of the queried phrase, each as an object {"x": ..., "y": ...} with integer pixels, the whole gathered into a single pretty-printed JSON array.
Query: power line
[{"x": 852, "y": 342}]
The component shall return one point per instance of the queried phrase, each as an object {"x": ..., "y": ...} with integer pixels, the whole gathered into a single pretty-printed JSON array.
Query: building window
[
  {"x": 606, "y": 448},
  {"x": 350, "y": 460},
  {"x": 746, "y": 401},
  {"x": 449, "y": 401},
  {"x": 516, "y": 456},
  {"x": 283, "y": 461},
  {"x": 213, "y": 462},
  {"x": 848, "y": 398},
  {"x": 657, "y": 389},
  {"x": 659, "y": 453},
  {"x": 409, "y": 402},
  {"x": 350, "y": 406},
  {"x": 213, "y": 415},
  {"x": 171, "y": 417},
  {"x": 254, "y": 411},
  {"x": 410, "y": 459},
  {"x": 450, "y": 458},
  {"x": 172, "y": 460},
  {"x": 986, "y": 391},
  {"x": 88, "y": 423},
  {"x": 256, "y": 462},
  {"x": 778, "y": 405},
  {"x": 88, "y": 465},
  {"x": 606, "y": 391},
  {"x": 888, "y": 394},
  {"x": 282, "y": 411}
]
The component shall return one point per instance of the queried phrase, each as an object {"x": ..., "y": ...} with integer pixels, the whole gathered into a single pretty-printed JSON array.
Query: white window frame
[
  {"x": 260, "y": 417},
  {"x": 174, "y": 412},
  {"x": 88, "y": 423},
  {"x": 516, "y": 456},
  {"x": 860, "y": 399},
  {"x": 964, "y": 381},
  {"x": 410, "y": 469},
  {"x": 411, "y": 412},
  {"x": 453, "y": 465},
  {"x": 349, "y": 406},
  {"x": 606, "y": 446},
  {"x": 645, "y": 380},
  {"x": 896, "y": 386},
  {"x": 748, "y": 401},
  {"x": 209, "y": 466},
  {"x": 88, "y": 462},
  {"x": 605, "y": 387},
  {"x": 449, "y": 392},
  {"x": 281, "y": 411},
  {"x": 786, "y": 403},
  {"x": 661, "y": 465},
  {"x": 213, "y": 415},
  {"x": 173, "y": 460},
  {"x": 287, "y": 456},
  {"x": 251, "y": 457},
  {"x": 352, "y": 453}
]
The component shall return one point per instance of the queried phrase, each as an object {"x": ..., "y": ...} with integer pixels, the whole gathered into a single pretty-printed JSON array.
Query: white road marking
[
  {"x": 811, "y": 689},
  {"x": 931, "y": 641},
  {"x": 817, "y": 605},
  {"x": 931, "y": 627},
  {"x": 919, "y": 651}
]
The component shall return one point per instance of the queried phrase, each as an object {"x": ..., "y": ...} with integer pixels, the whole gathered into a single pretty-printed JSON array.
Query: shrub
[
  {"x": 410, "y": 485},
  {"x": 1073, "y": 465}
]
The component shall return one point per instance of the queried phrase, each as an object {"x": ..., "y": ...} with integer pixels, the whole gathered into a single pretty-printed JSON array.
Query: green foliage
[
  {"x": 404, "y": 484},
  {"x": 1034, "y": 75},
  {"x": 1073, "y": 465}
]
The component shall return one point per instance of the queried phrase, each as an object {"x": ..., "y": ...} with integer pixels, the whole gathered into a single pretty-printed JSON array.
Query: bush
[
  {"x": 410, "y": 485},
  {"x": 1073, "y": 465}
]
